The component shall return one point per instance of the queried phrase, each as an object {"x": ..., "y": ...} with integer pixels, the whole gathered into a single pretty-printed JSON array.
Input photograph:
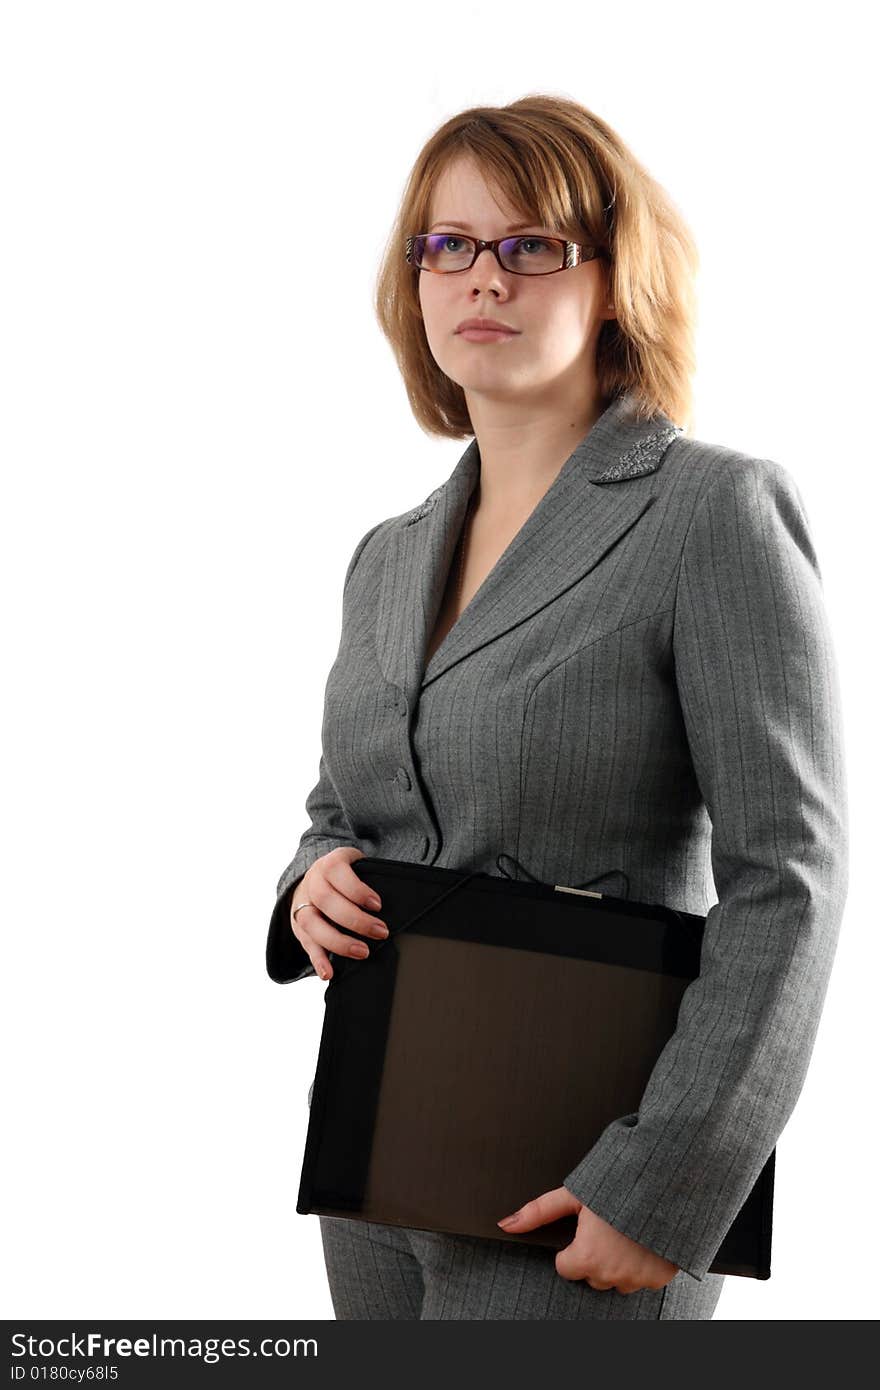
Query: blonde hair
[{"x": 557, "y": 162}]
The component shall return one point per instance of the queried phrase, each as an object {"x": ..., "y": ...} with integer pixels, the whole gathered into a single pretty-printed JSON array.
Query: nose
[{"x": 487, "y": 266}]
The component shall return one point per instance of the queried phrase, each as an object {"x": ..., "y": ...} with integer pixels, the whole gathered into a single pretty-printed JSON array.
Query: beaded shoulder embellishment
[
  {"x": 641, "y": 458},
  {"x": 424, "y": 507}
]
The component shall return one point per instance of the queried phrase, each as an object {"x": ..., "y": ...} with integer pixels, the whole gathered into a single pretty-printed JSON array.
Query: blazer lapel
[{"x": 574, "y": 524}]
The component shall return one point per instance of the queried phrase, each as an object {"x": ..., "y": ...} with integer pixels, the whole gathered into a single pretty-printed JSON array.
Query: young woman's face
[{"x": 558, "y": 317}]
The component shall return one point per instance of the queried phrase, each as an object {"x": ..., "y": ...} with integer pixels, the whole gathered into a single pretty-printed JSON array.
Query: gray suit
[{"x": 644, "y": 682}]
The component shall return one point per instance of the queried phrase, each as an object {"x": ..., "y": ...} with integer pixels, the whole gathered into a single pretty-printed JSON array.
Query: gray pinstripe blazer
[{"x": 645, "y": 681}]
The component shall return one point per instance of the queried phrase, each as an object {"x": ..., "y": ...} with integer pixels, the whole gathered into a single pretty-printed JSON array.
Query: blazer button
[
  {"x": 426, "y": 845},
  {"x": 403, "y": 778}
]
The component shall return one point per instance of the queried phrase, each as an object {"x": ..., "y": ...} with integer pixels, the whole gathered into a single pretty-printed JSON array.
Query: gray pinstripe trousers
[{"x": 392, "y": 1272}]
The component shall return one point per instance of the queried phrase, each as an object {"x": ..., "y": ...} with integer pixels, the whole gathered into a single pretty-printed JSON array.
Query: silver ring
[{"x": 299, "y": 905}]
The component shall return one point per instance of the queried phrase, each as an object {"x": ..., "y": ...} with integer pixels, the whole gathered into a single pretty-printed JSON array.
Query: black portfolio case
[{"x": 478, "y": 1053}]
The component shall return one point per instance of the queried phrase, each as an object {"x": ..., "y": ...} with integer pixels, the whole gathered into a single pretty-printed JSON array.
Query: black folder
[{"x": 479, "y": 1051}]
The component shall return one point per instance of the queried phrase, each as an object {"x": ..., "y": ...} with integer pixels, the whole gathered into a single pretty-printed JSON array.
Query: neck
[{"x": 520, "y": 459}]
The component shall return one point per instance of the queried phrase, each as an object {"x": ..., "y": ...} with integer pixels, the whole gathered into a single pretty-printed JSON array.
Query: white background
[{"x": 196, "y": 432}]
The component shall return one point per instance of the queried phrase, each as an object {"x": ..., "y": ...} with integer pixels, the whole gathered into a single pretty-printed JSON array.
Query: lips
[{"x": 485, "y": 326}]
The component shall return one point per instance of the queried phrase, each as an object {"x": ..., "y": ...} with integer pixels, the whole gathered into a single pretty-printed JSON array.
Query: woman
[{"x": 600, "y": 646}]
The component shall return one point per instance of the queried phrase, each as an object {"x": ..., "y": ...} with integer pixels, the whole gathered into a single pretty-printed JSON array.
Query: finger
[
  {"x": 327, "y": 910},
  {"x": 318, "y": 957},
  {"x": 338, "y": 911},
  {"x": 337, "y": 869},
  {"x": 321, "y": 961},
  {"x": 549, "y": 1206},
  {"x": 574, "y": 1264},
  {"x": 580, "y": 1262},
  {"x": 339, "y": 894},
  {"x": 352, "y": 886},
  {"x": 317, "y": 937}
]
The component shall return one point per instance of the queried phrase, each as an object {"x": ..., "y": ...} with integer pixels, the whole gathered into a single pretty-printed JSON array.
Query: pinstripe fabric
[
  {"x": 645, "y": 681},
  {"x": 391, "y": 1273}
]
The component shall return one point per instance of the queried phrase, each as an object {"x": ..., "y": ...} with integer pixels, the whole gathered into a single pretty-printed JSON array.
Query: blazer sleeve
[
  {"x": 758, "y": 688},
  {"x": 286, "y": 961}
]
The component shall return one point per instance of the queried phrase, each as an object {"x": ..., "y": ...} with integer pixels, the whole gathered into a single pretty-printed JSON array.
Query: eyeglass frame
[{"x": 575, "y": 252}]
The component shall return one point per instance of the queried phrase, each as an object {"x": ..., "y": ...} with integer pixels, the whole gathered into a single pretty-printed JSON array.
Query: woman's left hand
[{"x": 599, "y": 1253}]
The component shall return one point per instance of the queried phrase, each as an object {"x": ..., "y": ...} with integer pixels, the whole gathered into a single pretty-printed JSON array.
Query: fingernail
[
  {"x": 375, "y": 901},
  {"x": 506, "y": 1220}
]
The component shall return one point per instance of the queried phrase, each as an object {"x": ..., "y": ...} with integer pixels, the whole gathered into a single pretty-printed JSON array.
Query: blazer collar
[{"x": 574, "y": 524}]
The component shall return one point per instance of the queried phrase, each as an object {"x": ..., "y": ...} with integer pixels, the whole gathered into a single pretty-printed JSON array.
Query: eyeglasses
[{"x": 447, "y": 253}]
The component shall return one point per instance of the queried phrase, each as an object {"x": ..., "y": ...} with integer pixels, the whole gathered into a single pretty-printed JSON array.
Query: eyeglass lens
[{"x": 526, "y": 255}]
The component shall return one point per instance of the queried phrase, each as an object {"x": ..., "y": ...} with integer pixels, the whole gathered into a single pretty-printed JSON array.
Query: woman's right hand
[{"x": 336, "y": 896}]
